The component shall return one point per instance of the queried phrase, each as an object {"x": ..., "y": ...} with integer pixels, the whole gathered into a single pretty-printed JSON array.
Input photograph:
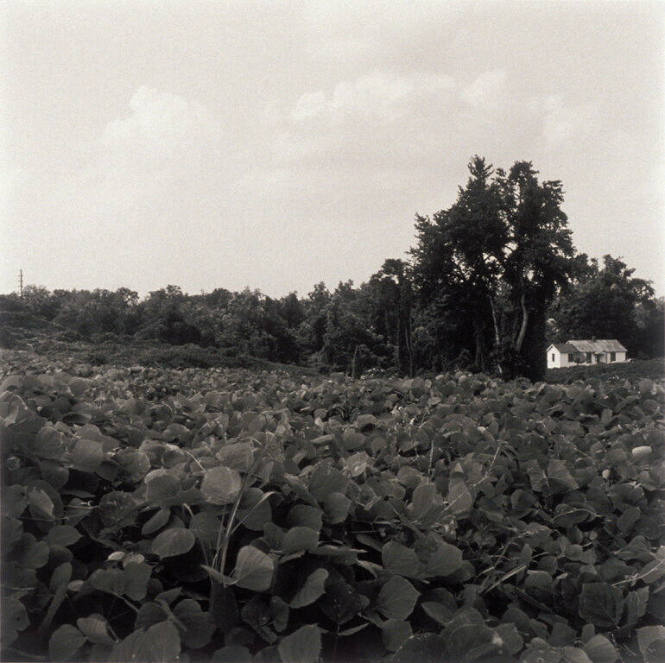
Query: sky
[{"x": 278, "y": 144}]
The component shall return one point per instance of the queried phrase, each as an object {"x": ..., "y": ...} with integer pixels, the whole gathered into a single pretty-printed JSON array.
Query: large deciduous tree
[
  {"x": 490, "y": 265},
  {"x": 538, "y": 259}
]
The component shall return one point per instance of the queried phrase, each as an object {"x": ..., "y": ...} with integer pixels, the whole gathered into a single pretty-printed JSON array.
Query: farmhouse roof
[
  {"x": 598, "y": 345},
  {"x": 564, "y": 347}
]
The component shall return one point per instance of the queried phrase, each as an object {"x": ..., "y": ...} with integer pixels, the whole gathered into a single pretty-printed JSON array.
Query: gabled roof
[
  {"x": 564, "y": 347},
  {"x": 598, "y": 345}
]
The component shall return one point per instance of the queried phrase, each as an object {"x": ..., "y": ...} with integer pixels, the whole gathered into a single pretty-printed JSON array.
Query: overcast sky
[{"x": 278, "y": 144}]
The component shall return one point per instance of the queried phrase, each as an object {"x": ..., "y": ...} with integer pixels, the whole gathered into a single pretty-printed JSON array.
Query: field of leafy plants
[{"x": 225, "y": 515}]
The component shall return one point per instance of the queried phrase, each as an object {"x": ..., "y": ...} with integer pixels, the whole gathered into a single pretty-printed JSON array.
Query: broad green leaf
[
  {"x": 255, "y": 509},
  {"x": 205, "y": 526},
  {"x": 325, "y": 480},
  {"x": 425, "y": 496},
  {"x": 628, "y": 518},
  {"x": 336, "y": 506},
  {"x": 459, "y": 497},
  {"x": 279, "y": 610},
  {"x": 61, "y": 576},
  {"x": 14, "y": 501},
  {"x": 438, "y": 611},
  {"x": 421, "y": 648},
  {"x": 48, "y": 444},
  {"x": 161, "y": 643},
  {"x": 40, "y": 503},
  {"x": 87, "y": 455},
  {"x": 30, "y": 553},
  {"x": 232, "y": 654},
  {"x": 636, "y": 605},
  {"x": 394, "y": 633},
  {"x": 300, "y": 538},
  {"x": 128, "y": 649},
  {"x": 95, "y": 629},
  {"x": 156, "y": 522},
  {"x": 651, "y": 641},
  {"x": 172, "y": 542},
  {"x": 601, "y": 604},
  {"x": 654, "y": 570},
  {"x": 397, "y": 598},
  {"x": 198, "y": 623},
  {"x": 149, "y": 613},
  {"x": 312, "y": 589},
  {"x": 539, "y": 651},
  {"x": 65, "y": 642},
  {"x": 646, "y": 386},
  {"x": 562, "y": 635},
  {"x": 118, "y": 509},
  {"x": 341, "y": 601},
  {"x": 511, "y": 639},
  {"x": 601, "y": 650},
  {"x": 444, "y": 561},
  {"x": 62, "y": 535},
  {"x": 14, "y": 619},
  {"x": 111, "y": 581},
  {"x": 357, "y": 463},
  {"x": 253, "y": 570},
  {"x": 238, "y": 456},
  {"x": 221, "y": 485},
  {"x": 161, "y": 488},
  {"x": 352, "y": 439},
  {"x": 400, "y": 559},
  {"x": 575, "y": 655},
  {"x": 467, "y": 636},
  {"x": 305, "y": 516},
  {"x": 135, "y": 463},
  {"x": 536, "y": 474},
  {"x": 560, "y": 479},
  {"x": 136, "y": 576},
  {"x": 301, "y": 646},
  {"x": 538, "y": 584}
]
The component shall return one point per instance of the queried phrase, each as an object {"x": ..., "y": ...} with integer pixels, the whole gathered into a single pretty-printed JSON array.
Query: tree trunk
[
  {"x": 354, "y": 364},
  {"x": 533, "y": 357},
  {"x": 479, "y": 358},
  {"x": 525, "y": 322}
]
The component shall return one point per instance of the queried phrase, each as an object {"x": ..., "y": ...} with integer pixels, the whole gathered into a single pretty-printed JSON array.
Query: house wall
[
  {"x": 555, "y": 359},
  {"x": 620, "y": 357}
]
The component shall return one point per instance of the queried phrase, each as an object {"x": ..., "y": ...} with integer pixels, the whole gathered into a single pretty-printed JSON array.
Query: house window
[
  {"x": 613, "y": 356},
  {"x": 588, "y": 357},
  {"x": 571, "y": 356},
  {"x": 552, "y": 357}
]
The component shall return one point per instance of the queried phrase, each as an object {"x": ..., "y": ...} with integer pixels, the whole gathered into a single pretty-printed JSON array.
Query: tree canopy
[{"x": 489, "y": 282}]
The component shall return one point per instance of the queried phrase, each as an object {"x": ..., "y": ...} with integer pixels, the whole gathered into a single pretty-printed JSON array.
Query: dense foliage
[
  {"x": 491, "y": 264},
  {"x": 226, "y": 515},
  {"x": 609, "y": 302},
  {"x": 492, "y": 279}
]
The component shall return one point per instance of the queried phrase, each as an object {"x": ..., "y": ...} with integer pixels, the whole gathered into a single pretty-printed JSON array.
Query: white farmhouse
[{"x": 585, "y": 352}]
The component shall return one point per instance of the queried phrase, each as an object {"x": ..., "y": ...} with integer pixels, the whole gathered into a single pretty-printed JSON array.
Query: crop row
[{"x": 229, "y": 515}]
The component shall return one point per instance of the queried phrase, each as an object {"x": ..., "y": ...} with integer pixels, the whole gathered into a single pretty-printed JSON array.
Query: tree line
[{"x": 490, "y": 282}]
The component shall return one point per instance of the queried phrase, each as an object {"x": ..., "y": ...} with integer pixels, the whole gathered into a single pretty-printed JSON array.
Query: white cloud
[
  {"x": 162, "y": 128},
  {"x": 310, "y": 105},
  {"x": 561, "y": 122},
  {"x": 167, "y": 158},
  {"x": 378, "y": 96},
  {"x": 487, "y": 90}
]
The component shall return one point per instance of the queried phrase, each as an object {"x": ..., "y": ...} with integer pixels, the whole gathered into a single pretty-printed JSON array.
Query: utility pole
[{"x": 20, "y": 283}]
